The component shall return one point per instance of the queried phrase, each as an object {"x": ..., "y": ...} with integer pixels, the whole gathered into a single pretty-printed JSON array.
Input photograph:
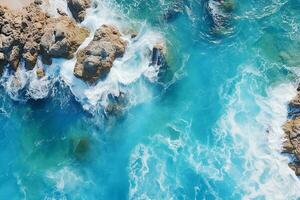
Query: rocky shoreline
[
  {"x": 31, "y": 34},
  {"x": 291, "y": 143}
]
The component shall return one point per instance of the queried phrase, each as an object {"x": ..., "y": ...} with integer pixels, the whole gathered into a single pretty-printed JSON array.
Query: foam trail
[
  {"x": 247, "y": 150},
  {"x": 254, "y": 124}
]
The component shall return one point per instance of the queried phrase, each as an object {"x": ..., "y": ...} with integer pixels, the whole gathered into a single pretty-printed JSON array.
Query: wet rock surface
[
  {"x": 40, "y": 73},
  {"x": 28, "y": 33},
  {"x": 61, "y": 38},
  {"x": 291, "y": 143},
  {"x": 95, "y": 61},
  {"x": 78, "y": 8}
]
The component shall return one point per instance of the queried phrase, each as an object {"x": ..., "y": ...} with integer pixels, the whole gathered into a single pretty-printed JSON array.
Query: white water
[{"x": 250, "y": 131}]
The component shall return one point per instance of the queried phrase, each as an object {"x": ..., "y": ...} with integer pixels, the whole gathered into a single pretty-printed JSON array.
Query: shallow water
[{"x": 209, "y": 127}]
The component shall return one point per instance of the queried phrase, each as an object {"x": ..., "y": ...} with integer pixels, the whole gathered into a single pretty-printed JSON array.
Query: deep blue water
[{"x": 209, "y": 127}]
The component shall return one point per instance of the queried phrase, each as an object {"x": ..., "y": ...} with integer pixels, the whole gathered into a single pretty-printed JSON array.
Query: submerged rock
[
  {"x": 81, "y": 148},
  {"x": 78, "y": 8},
  {"x": 173, "y": 12},
  {"x": 116, "y": 105},
  {"x": 96, "y": 60},
  {"x": 220, "y": 15}
]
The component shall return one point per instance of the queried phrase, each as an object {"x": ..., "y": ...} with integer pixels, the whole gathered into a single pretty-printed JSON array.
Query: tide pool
[{"x": 207, "y": 127}]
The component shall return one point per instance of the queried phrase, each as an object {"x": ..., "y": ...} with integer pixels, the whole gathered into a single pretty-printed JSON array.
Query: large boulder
[
  {"x": 78, "y": 8},
  {"x": 96, "y": 60},
  {"x": 61, "y": 38}
]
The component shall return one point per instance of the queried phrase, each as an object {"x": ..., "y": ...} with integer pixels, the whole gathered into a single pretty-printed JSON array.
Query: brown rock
[
  {"x": 26, "y": 33},
  {"x": 62, "y": 38},
  {"x": 78, "y": 8},
  {"x": 95, "y": 61},
  {"x": 40, "y": 73},
  {"x": 14, "y": 58},
  {"x": 30, "y": 60},
  {"x": 291, "y": 143}
]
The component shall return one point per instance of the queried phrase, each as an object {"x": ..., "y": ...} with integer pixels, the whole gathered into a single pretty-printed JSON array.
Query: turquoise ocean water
[{"x": 206, "y": 127}]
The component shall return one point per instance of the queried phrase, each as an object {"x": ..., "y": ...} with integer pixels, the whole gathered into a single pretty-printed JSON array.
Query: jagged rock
[
  {"x": 26, "y": 34},
  {"x": 295, "y": 102},
  {"x": 291, "y": 128},
  {"x": 38, "y": 2},
  {"x": 78, "y": 8},
  {"x": 116, "y": 104},
  {"x": 96, "y": 60},
  {"x": 20, "y": 35},
  {"x": 295, "y": 167},
  {"x": 14, "y": 58},
  {"x": 40, "y": 73},
  {"x": 30, "y": 60},
  {"x": 158, "y": 55},
  {"x": 62, "y": 38}
]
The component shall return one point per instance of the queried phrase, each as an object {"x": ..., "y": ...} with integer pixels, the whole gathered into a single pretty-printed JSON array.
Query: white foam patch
[
  {"x": 254, "y": 124},
  {"x": 156, "y": 168},
  {"x": 246, "y": 153}
]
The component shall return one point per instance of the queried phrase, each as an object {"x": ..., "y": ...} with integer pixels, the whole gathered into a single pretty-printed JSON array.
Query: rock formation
[
  {"x": 61, "y": 38},
  {"x": 158, "y": 55},
  {"x": 20, "y": 35},
  {"x": 96, "y": 60},
  {"x": 291, "y": 128},
  {"x": 28, "y": 33},
  {"x": 78, "y": 7},
  {"x": 40, "y": 73}
]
